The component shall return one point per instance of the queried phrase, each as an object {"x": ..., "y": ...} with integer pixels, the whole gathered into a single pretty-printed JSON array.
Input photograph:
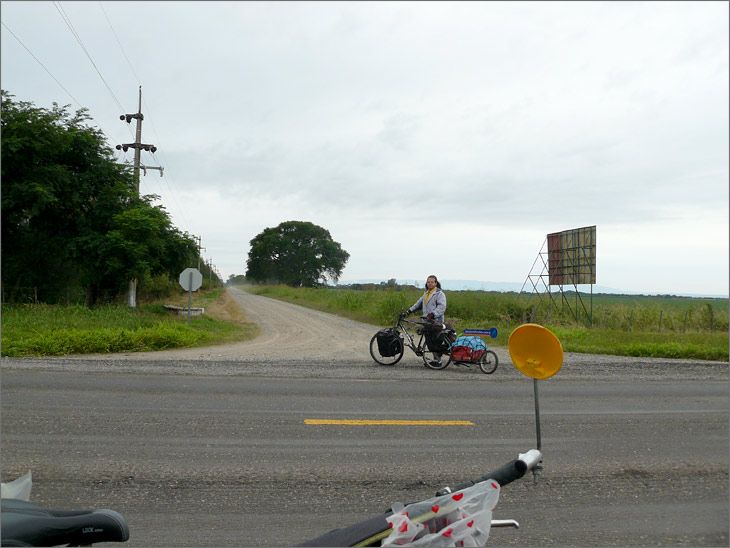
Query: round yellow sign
[{"x": 535, "y": 351}]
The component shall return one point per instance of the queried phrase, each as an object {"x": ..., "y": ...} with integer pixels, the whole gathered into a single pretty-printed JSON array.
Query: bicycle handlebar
[
  {"x": 419, "y": 321},
  {"x": 505, "y": 474},
  {"x": 364, "y": 530}
]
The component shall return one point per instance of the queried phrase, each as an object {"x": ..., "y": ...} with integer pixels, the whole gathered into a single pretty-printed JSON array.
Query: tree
[
  {"x": 296, "y": 253},
  {"x": 234, "y": 279},
  {"x": 71, "y": 217},
  {"x": 140, "y": 242}
]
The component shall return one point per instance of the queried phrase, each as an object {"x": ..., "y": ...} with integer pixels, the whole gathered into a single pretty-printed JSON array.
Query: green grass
[
  {"x": 57, "y": 330},
  {"x": 661, "y": 327},
  {"x": 668, "y": 327},
  {"x": 696, "y": 345}
]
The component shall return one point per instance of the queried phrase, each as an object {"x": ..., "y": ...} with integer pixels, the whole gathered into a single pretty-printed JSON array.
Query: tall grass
[
  {"x": 56, "y": 330},
  {"x": 670, "y": 327}
]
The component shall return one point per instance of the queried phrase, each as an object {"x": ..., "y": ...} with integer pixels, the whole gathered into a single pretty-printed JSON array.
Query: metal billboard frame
[{"x": 567, "y": 256}]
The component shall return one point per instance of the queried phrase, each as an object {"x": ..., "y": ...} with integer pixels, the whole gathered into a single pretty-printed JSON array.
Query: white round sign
[{"x": 191, "y": 279}]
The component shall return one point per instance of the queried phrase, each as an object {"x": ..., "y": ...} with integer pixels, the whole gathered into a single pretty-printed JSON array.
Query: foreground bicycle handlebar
[
  {"x": 536, "y": 353},
  {"x": 376, "y": 527}
]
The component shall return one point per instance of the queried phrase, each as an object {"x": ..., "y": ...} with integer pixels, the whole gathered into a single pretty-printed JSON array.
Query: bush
[{"x": 157, "y": 287}]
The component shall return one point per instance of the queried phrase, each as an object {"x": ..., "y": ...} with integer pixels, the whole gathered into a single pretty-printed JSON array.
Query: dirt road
[{"x": 288, "y": 332}]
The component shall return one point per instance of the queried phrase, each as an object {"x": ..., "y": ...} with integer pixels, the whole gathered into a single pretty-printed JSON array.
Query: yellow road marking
[{"x": 386, "y": 422}]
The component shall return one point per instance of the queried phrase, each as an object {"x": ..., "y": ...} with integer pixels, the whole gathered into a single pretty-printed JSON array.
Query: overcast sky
[{"x": 427, "y": 137}]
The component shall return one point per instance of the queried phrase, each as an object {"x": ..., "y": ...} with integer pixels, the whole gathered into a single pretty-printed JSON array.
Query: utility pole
[
  {"x": 199, "y": 250},
  {"x": 138, "y": 146}
]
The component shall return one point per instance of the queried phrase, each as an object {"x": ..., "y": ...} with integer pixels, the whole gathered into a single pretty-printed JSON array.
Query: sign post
[
  {"x": 190, "y": 280},
  {"x": 536, "y": 353}
]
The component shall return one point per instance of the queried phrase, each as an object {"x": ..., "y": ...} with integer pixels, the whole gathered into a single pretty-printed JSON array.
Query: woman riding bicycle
[
  {"x": 433, "y": 306},
  {"x": 432, "y": 302}
]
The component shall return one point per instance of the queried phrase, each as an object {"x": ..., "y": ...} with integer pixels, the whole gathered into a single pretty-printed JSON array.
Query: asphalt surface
[
  {"x": 216, "y": 452},
  {"x": 201, "y": 460}
]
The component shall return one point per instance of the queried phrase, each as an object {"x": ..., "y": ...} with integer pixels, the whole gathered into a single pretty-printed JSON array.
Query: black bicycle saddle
[{"x": 27, "y": 524}]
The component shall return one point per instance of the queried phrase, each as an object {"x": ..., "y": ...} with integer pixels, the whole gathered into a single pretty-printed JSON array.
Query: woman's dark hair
[{"x": 438, "y": 283}]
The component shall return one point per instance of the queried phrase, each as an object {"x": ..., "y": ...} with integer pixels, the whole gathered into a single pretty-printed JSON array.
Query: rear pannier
[{"x": 438, "y": 339}]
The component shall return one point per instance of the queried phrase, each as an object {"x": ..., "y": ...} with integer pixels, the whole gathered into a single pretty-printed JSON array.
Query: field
[{"x": 651, "y": 326}]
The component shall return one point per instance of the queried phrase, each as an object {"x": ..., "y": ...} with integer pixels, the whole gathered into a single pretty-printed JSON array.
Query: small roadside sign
[
  {"x": 491, "y": 332},
  {"x": 191, "y": 279}
]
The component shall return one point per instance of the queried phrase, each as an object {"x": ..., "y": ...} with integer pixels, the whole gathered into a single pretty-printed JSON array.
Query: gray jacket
[{"x": 436, "y": 305}]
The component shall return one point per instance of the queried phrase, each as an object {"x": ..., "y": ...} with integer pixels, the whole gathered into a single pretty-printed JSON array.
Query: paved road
[
  {"x": 208, "y": 447},
  {"x": 221, "y": 455}
]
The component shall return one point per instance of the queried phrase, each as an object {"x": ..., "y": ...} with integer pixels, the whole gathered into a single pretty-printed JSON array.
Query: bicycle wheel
[
  {"x": 488, "y": 362},
  {"x": 385, "y": 360},
  {"x": 436, "y": 360}
]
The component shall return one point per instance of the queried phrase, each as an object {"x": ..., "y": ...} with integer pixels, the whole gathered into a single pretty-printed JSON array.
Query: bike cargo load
[
  {"x": 439, "y": 340},
  {"x": 468, "y": 349},
  {"x": 389, "y": 342}
]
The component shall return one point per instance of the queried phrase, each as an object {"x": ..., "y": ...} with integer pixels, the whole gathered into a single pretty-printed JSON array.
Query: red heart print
[
  {"x": 494, "y": 485},
  {"x": 404, "y": 527},
  {"x": 470, "y": 523},
  {"x": 390, "y": 524},
  {"x": 435, "y": 508},
  {"x": 448, "y": 533},
  {"x": 458, "y": 496}
]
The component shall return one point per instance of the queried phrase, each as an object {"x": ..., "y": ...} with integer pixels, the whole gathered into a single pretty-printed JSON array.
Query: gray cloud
[{"x": 461, "y": 117}]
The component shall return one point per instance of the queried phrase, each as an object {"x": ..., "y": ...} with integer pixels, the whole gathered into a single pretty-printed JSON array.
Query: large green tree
[
  {"x": 296, "y": 253},
  {"x": 71, "y": 217}
]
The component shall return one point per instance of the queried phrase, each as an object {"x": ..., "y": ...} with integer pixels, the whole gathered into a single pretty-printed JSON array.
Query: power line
[
  {"x": 180, "y": 209},
  {"x": 139, "y": 81},
  {"x": 150, "y": 114},
  {"x": 78, "y": 103},
  {"x": 73, "y": 31},
  {"x": 126, "y": 57},
  {"x": 81, "y": 43}
]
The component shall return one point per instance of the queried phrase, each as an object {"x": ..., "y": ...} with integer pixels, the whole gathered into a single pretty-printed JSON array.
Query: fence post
[
  {"x": 661, "y": 313},
  {"x": 711, "y": 313}
]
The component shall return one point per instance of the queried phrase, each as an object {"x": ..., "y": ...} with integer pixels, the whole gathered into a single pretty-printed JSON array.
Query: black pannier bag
[
  {"x": 389, "y": 342},
  {"x": 438, "y": 339}
]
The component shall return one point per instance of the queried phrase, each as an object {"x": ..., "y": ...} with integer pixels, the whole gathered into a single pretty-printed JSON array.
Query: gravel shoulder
[{"x": 298, "y": 341}]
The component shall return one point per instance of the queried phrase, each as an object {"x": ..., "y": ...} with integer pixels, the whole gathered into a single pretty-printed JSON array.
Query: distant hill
[
  {"x": 476, "y": 285},
  {"x": 452, "y": 285}
]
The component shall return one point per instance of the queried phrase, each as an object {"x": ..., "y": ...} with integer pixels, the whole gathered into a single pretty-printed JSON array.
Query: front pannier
[{"x": 389, "y": 343}]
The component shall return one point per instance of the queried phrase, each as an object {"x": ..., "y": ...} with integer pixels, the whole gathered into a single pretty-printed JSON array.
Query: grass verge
[{"x": 55, "y": 330}]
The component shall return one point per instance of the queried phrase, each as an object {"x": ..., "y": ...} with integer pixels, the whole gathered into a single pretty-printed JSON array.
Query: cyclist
[
  {"x": 432, "y": 302},
  {"x": 433, "y": 306}
]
